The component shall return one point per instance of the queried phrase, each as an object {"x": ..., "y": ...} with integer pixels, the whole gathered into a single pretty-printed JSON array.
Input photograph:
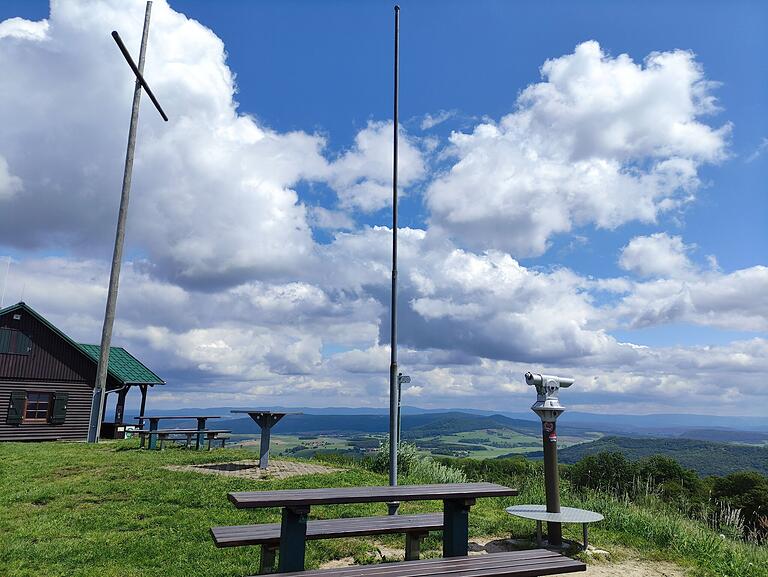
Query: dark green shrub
[
  {"x": 748, "y": 491},
  {"x": 606, "y": 471},
  {"x": 670, "y": 479}
]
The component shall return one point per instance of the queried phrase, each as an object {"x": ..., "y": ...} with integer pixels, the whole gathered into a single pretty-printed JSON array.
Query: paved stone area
[{"x": 250, "y": 469}]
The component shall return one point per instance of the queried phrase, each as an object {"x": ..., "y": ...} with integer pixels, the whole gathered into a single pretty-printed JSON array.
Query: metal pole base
[
  {"x": 392, "y": 507},
  {"x": 555, "y": 534},
  {"x": 93, "y": 426}
]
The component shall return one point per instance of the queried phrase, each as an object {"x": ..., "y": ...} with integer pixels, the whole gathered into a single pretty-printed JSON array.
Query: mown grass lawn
[{"x": 111, "y": 510}]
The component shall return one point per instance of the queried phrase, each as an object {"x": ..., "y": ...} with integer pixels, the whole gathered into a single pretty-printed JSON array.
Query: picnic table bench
[
  {"x": 531, "y": 563},
  {"x": 457, "y": 499},
  {"x": 154, "y": 421},
  {"x": 164, "y": 434},
  {"x": 415, "y": 527}
]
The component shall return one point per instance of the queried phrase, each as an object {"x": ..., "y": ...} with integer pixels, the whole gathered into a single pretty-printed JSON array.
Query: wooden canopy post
[
  {"x": 143, "y": 389},
  {"x": 120, "y": 405}
]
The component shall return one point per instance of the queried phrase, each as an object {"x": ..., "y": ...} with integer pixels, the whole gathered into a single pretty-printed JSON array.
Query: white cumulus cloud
[
  {"x": 657, "y": 255},
  {"x": 601, "y": 140},
  {"x": 362, "y": 176},
  {"x": 9, "y": 184}
]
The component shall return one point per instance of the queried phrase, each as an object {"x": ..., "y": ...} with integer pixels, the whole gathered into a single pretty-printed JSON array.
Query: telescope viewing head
[{"x": 547, "y": 404}]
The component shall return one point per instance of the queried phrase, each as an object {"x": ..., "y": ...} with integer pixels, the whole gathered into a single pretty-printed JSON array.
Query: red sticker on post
[{"x": 553, "y": 437}]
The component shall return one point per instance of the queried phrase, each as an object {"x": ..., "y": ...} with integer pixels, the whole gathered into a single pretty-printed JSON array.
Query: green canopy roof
[{"x": 124, "y": 365}]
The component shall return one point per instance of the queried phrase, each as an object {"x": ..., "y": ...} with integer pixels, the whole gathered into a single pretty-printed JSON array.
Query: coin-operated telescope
[
  {"x": 547, "y": 404},
  {"x": 548, "y": 407}
]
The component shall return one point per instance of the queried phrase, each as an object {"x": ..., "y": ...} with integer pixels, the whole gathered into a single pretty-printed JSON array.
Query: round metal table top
[{"x": 566, "y": 514}]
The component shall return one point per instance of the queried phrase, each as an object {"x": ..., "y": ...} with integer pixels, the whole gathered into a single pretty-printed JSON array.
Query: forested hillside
[{"x": 704, "y": 457}]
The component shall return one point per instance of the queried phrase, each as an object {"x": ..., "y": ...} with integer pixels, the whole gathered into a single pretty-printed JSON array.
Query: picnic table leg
[
  {"x": 538, "y": 534},
  {"x": 456, "y": 530},
  {"x": 264, "y": 447},
  {"x": 413, "y": 545},
  {"x": 153, "y": 438},
  {"x": 200, "y": 427},
  {"x": 267, "y": 561},
  {"x": 293, "y": 539},
  {"x": 265, "y": 421}
]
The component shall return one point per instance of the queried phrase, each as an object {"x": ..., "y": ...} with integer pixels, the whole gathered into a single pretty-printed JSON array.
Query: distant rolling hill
[
  {"x": 704, "y": 457},
  {"x": 414, "y": 426}
]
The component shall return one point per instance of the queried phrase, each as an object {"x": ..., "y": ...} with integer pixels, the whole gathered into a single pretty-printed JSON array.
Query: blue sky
[
  {"x": 632, "y": 287},
  {"x": 476, "y": 57}
]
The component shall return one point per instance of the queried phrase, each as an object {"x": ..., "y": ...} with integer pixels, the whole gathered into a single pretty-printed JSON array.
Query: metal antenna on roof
[
  {"x": 97, "y": 405},
  {"x": 5, "y": 281},
  {"x": 394, "y": 402}
]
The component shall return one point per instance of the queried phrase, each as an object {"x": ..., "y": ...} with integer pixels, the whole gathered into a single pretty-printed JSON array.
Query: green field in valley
[{"x": 477, "y": 444}]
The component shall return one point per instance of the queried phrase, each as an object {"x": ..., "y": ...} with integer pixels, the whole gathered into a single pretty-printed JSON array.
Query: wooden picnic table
[
  {"x": 210, "y": 434},
  {"x": 265, "y": 419},
  {"x": 154, "y": 420},
  {"x": 457, "y": 499}
]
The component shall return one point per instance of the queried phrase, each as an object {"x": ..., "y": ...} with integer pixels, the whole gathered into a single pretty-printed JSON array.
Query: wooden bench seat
[
  {"x": 531, "y": 563},
  {"x": 329, "y": 529},
  {"x": 415, "y": 527}
]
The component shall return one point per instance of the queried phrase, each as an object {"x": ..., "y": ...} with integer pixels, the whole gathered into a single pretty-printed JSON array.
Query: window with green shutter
[
  {"x": 14, "y": 342},
  {"x": 16, "y": 407},
  {"x": 59, "y": 408}
]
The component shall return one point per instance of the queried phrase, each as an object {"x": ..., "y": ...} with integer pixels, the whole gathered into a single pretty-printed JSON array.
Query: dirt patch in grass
[
  {"x": 625, "y": 568},
  {"x": 625, "y": 563},
  {"x": 636, "y": 568},
  {"x": 250, "y": 469},
  {"x": 599, "y": 564}
]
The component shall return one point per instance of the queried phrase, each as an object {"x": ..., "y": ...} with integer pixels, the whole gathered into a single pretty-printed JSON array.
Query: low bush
[
  {"x": 426, "y": 470},
  {"x": 415, "y": 467}
]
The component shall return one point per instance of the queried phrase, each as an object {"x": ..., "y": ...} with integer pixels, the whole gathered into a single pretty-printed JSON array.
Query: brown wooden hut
[{"x": 47, "y": 379}]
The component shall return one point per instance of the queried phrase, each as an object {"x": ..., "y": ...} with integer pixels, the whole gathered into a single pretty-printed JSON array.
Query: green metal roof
[{"x": 124, "y": 365}]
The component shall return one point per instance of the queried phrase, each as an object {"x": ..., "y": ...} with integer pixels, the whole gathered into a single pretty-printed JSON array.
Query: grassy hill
[
  {"x": 704, "y": 457},
  {"x": 110, "y": 510}
]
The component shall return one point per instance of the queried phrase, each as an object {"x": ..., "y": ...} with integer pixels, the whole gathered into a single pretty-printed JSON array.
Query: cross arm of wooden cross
[{"x": 139, "y": 77}]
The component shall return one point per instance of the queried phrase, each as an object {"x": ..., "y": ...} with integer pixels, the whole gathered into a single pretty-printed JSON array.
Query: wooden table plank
[{"x": 335, "y": 496}]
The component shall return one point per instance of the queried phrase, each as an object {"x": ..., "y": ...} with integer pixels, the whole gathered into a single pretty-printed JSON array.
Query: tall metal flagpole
[
  {"x": 393, "y": 379},
  {"x": 97, "y": 404}
]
